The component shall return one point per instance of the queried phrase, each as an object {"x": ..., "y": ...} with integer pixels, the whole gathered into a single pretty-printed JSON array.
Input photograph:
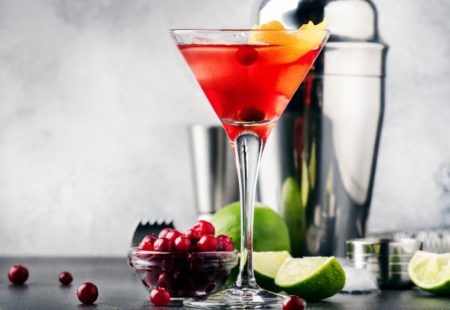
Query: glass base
[{"x": 238, "y": 298}]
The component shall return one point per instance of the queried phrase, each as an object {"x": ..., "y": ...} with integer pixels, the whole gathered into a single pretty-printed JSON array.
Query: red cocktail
[{"x": 247, "y": 86}]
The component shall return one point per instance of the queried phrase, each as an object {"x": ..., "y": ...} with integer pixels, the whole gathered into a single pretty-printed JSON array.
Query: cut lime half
[
  {"x": 430, "y": 272},
  {"x": 312, "y": 278},
  {"x": 266, "y": 266}
]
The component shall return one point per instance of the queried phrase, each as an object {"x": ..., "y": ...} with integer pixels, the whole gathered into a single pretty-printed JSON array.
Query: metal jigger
[{"x": 216, "y": 182}]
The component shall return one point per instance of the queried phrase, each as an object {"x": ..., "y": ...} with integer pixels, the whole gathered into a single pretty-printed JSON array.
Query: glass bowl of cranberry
[{"x": 187, "y": 265}]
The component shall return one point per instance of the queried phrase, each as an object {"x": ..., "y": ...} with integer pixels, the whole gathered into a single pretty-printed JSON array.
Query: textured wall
[{"x": 95, "y": 101}]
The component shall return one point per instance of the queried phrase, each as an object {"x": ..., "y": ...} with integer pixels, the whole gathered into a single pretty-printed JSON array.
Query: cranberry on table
[
  {"x": 224, "y": 243},
  {"x": 182, "y": 244},
  {"x": 160, "y": 297},
  {"x": 18, "y": 274},
  {"x": 293, "y": 303},
  {"x": 87, "y": 293},
  {"x": 207, "y": 243},
  {"x": 65, "y": 278},
  {"x": 162, "y": 245}
]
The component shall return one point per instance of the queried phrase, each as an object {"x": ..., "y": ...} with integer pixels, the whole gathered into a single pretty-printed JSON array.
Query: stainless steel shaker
[
  {"x": 215, "y": 177},
  {"x": 319, "y": 163}
]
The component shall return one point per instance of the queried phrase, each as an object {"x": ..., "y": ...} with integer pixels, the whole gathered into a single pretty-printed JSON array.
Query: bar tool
[
  {"x": 387, "y": 259},
  {"x": 326, "y": 143}
]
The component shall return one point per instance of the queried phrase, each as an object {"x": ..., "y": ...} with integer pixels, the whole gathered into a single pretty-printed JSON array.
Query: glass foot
[{"x": 238, "y": 298}]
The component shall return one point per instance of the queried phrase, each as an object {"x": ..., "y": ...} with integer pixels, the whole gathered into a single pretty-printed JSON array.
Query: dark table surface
[{"x": 119, "y": 289}]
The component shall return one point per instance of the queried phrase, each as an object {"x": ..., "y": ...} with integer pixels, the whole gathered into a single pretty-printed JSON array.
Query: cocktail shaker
[
  {"x": 319, "y": 163},
  {"x": 215, "y": 177}
]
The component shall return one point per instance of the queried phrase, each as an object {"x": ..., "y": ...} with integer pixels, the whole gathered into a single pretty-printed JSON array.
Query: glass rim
[{"x": 237, "y": 30}]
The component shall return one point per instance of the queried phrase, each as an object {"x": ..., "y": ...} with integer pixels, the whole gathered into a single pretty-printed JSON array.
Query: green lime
[
  {"x": 293, "y": 214},
  {"x": 311, "y": 278},
  {"x": 430, "y": 272},
  {"x": 266, "y": 266},
  {"x": 270, "y": 232}
]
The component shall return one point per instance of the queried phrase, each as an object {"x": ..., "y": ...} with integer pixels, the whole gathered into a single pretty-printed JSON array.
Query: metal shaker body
[{"x": 319, "y": 164}]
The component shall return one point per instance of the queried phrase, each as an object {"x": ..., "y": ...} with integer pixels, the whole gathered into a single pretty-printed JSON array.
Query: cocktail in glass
[{"x": 248, "y": 76}]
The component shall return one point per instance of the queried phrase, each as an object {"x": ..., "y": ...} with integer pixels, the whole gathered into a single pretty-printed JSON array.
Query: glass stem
[{"x": 248, "y": 149}]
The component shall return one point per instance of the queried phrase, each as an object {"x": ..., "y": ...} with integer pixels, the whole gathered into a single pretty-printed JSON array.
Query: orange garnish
[{"x": 289, "y": 45}]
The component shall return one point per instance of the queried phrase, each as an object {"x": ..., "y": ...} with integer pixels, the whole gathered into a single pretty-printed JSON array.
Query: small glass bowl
[{"x": 183, "y": 274}]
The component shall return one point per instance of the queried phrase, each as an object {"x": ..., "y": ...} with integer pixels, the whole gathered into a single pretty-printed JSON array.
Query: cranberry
[
  {"x": 18, "y": 274},
  {"x": 149, "y": 238},
  {"x": 293, "y": 303},
  {"x": 160, "y": 297},
  {"x": 200, "y": 229},
  {"x": 207, "y": 243},
  {"x": 147, "y": 243},
  {"x": 87, "y": 293},
  {"x": 162, "y": 245},
  {"x": 65, "y": 278},
  {"x": 251, "y": 115},
  {"x": 196, "y": 262},
  {"x": 164, "y": 281},
  {"x": 172, "y": 235},
  {"x": 224, "y": 243},
  {"x": 182, "y": 244},
  {"x": 163, "y": 233},
  {"x": 210, "y": 287},
  {"x": 247, "y": 55}
]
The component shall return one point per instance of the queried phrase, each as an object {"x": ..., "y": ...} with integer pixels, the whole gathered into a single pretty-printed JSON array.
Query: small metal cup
[
  {"x": 387, "y": 259},
  {"x": 215, "y": 176}
]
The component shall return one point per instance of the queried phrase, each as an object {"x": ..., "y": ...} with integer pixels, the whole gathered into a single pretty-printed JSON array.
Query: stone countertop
[{"x": 118, "y": 289}]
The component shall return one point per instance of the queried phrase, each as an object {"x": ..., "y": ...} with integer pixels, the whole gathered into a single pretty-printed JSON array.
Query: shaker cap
[{"x": 348, "y": 20}]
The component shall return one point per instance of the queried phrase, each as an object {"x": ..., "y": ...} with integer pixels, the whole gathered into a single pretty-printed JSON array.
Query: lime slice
[
  {"x": 312, "y": 278},
  {"x": 430, "y": 272},
  {"x": 266, "y": 266}
]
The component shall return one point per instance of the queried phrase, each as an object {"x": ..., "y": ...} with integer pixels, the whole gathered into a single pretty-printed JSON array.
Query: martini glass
[{"x": 248, "y": 85}]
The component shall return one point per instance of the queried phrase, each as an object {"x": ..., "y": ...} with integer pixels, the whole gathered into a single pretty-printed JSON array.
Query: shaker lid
[{"x": 348, "y": 20}]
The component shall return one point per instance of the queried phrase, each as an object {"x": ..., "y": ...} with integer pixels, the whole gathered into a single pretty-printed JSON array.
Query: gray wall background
[{"x": 95, "y": 101}]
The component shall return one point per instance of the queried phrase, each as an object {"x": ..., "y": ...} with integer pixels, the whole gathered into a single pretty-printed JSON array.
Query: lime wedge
[
  {"x": 430, "y": 272},
  {"x": 266, "y": 266},
  {"x": 312, "y": 278}
]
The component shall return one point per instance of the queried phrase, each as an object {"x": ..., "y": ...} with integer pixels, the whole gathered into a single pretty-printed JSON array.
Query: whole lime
[{"x": 270, "y": 232}]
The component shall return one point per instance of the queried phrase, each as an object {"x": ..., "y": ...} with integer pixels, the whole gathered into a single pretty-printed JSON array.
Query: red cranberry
[
  {"x": 162, "y": 245},
  {"x": 149, "y": 238},
  {"x": 65, "y": 278},
  {"x": 293, "y": 303},
  {"x": 200, "y": 229},
  {"x": 18, "y": 274},
  {"x": 163, "y": 233},
  {"x": 251, "y": 115},
  {"x": 164, "y": 281},
  {"x": 160, "y": 297},
  {"x": 87, "y": 293},
  {"x": 207, "y": 243},
  {"x": 224, "y": 243},
  {"x": 195, "y": 262},
  {"x": 172, "y": 235},
  {"x": 147, "y": 243},
  {"x": 182, "y": 244},
  {"x": 247, "y": 55}
]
